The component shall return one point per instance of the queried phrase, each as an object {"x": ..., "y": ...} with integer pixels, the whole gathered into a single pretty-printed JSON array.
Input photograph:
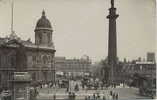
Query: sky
[{"x": 81, "y": 27}]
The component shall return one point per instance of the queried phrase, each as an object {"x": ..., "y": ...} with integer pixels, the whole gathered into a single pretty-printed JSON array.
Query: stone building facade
[
  {"x": 151, "y": 56},
  {"x": 147, "y": 69},
  {"x": 37, "y": 58},
  {"x": 75, "y": 67},
  {"x": 125, "y": 70}
]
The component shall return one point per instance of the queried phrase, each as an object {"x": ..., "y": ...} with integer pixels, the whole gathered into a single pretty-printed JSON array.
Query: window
[
  {"x": 40, "y": 38},
  {"x": 48, "y": 37},
  {"x": 0, "y": 60},
  {"x": 34, "y": 59},
  {"x": 45, "y": 59},
  {"x": 33, "y": 76},
  {"x": 140, "y": 67},
  {"x": 38, "y": 58},
  {"x": 49, "y": 59},
  {"x": 0, "y": 79},
  {"x": 12, "y": 61}
]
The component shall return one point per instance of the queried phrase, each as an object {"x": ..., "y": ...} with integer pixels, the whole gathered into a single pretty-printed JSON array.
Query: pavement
[{"x": 61, "y": 94}]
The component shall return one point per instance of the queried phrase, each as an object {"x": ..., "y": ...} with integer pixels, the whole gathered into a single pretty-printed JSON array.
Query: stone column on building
[{"x": 21, "y": 59}]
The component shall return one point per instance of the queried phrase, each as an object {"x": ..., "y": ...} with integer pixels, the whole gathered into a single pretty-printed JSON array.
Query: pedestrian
[
  {"x": 114, "y": 85},
  {"x": 76, "y": 87},
  {"x": 88, "y": 97},
  {"x": 117, "y": 96},
  {"x": 104, "y": 98},
  {"x": 111, "y": 93},
  {"x": 94, "y": 96},
  {"x": 69, "y": 95},
  {"x": 83, "y": 86},
  {"x": 33, "y": 94},
  {"x": 113, "y": 96},
  {"x": 54, "y": 97},
  {"x": 102, "y": 86},
  {"x": 73, "y": 95},
  {"x": 98, "y": 96}
]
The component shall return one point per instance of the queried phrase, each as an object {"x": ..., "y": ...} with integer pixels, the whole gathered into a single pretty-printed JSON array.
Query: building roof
[
  {"x": 2, "y": 41},
  {"x": 145, "y": 62},
  {"x": 43, "y": 23},
  {"x": 27, "y": 43}
]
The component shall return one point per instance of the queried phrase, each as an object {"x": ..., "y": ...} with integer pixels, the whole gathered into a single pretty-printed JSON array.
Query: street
[{"x": 124, "y": 93}]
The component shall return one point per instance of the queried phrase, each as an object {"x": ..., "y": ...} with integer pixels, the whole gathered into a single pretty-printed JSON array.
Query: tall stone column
[{"x": 112, "y": 41}]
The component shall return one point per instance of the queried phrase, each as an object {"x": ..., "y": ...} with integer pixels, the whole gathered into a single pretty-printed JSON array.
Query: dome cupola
[
  {"x": 43, "y": 31},
  {"x": 43, "y": 23}
]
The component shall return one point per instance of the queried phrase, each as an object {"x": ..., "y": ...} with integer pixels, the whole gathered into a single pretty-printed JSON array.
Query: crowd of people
[
  {"x": 33, "y": 93},
  {"x": 72, "y": 96},
  {"x": 96, "y": 96}
]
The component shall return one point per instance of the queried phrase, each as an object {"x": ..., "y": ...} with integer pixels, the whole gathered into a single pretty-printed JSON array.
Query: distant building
[
  {"x": 37, "y": 58},
  {"x": 146, "y": 69},
  {"x": 75, "y": 67},
  {"x": 96, "y": 70},
  {"x": 151, "y": 56},
  {"x": 101, "y": 70}
]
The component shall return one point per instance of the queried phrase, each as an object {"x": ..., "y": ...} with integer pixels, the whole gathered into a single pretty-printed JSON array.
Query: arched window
[
  {"x": 48, "y": 37},
  {"x": 40, "y": 38},
  {"x": 45, "y": 75},
  {"x": 0, "y": 61},
  {"x": 34, "y": 59},
  {"x": 45, "y": 59},
  {"x": 38, "y": 59},
  {"x": 49, "y": 59},
  {"x": 0, "y": 79}
]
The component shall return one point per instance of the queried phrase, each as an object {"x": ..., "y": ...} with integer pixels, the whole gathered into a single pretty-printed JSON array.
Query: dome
[{"x": 43, "y": 23}]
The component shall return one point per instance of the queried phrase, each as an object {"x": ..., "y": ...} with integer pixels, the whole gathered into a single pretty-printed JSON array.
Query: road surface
[{"x": 61, "y": 94}]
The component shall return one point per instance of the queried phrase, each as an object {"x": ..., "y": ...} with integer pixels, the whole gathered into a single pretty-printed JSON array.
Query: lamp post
[{"x": 53, "y": 76}]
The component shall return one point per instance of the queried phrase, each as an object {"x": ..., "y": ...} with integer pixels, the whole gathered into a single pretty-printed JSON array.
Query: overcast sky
[{"x": 80, "y": 26}]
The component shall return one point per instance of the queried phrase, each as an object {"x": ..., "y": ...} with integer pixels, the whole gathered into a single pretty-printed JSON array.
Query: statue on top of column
[{"x": 112, "y": 3}]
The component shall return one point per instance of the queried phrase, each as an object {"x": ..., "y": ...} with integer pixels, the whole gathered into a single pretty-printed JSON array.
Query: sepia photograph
[{"x": 78, "y": 50}]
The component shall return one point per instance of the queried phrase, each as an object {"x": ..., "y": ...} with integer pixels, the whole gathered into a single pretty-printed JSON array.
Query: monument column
[{"x": 112, "y": 41}]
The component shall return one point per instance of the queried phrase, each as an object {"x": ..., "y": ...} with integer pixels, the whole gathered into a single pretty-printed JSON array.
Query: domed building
[
  {"x": 35, "y": 58},
  {"x": 43, "y": 31},
  {"x": 43, "y": 23}
]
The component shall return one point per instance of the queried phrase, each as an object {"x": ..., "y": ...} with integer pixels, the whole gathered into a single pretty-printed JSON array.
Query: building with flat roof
[
  {"x": 151, "y": 56},
  {"x": 75, "y": 67}
]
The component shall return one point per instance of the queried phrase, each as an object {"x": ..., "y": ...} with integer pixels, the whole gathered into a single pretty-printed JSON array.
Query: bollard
[{"x": 117, "y": 96}]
